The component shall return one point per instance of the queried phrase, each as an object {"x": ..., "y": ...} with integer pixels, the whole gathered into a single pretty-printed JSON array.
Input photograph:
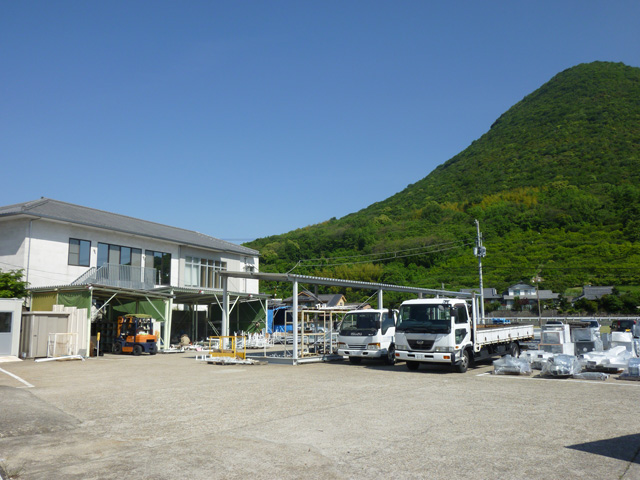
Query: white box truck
[
  {"x": 368, "y": 334},
  {"x": 446, "y": 331}
]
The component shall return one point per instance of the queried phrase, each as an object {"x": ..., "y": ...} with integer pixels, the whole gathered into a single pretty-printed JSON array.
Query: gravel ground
[{"x": 170, "y": 417}]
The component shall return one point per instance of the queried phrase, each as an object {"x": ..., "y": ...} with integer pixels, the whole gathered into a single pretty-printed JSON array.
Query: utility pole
[
  {"x": 537, "y": 279},
  {"x": 480, "y": 251}
]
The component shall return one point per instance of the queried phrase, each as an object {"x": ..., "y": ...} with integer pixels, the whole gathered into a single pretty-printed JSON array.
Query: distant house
[
  {"x": 527, "y": 294},
  {"x": 594, "y": 293},
  {"x": 307, "y": 299},
  {"x": 490, "y": 294}
]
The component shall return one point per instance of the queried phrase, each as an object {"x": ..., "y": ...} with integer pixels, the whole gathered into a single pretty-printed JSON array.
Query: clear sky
[{"x": 243, "y": 119}]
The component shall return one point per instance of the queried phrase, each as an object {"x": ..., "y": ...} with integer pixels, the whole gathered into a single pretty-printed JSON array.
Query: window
[
  {"x": 5, "y": 322},
  {"x": 360, "y": 321},
  {"x": 203, "y": 272},
  {"x": 460, "y": 314},
  {"x": 461, "y": 333},
  {"x": 388, "y": 321},
  {"x": 79, "y": 252},
  {"x": 117, "y": 255},
  {"x": 161, "y": 261},
  {"x": 103, "y": 254}
]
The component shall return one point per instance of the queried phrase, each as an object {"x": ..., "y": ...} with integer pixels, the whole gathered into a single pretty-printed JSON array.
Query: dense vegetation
[
  {"x": 554, "y": 183},
  {"x": 12, "y": 284}
]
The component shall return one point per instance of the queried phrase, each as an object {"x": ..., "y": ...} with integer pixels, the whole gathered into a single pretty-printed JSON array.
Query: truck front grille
[
  {"x": 356, "y": 347},
  {"x": 421, "y": 344}
]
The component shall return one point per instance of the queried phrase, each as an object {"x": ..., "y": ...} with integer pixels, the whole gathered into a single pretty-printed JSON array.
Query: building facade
[
  {"x": 55, "y": 243},
  {"x": 70, "y": 254}
]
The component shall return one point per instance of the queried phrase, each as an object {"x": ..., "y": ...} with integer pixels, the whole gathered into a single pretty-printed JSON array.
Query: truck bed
[{"x": 491, "y": 334}]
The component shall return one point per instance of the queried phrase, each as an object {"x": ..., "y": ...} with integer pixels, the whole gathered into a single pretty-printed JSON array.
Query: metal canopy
[
  {"x": 203, "y": 296},
  {"x": 336, "y": 282},
  {"x": 304, "y": 279},
  {"x": 127, "y": 293}
]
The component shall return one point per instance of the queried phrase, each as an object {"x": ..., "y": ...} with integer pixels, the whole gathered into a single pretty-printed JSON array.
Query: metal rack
[{"x": 317, "y": 336}]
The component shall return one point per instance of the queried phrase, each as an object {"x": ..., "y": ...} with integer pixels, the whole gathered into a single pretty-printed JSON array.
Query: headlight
[
  {"x": 373, "y": 346},
  {"x": 402, "y": 346},
  {"x": 444, "y": 349}
]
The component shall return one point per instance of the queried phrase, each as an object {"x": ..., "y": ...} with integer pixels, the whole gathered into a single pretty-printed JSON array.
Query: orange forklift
[{"x": 135, "y": 335}]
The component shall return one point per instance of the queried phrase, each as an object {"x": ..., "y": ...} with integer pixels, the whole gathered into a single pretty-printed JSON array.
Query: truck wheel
[
  {"x": 464, "y": 362},
  {"x": 411, "y": 365},
  {"x": 137, "y": 350},
  {"x": 117, "y": 348},
  {"x": 514, "y": 350},
  {"x": 390, "y": 359},
  {"x": 355, "y": 360}
]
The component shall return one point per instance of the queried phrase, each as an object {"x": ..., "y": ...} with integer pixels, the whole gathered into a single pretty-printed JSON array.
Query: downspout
[
  {"x": 180, "y": 270},
  {"x": 29, "y": 253}
]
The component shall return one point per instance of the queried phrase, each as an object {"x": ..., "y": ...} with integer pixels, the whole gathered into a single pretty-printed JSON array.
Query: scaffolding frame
[{"x": 318, "y": 337}]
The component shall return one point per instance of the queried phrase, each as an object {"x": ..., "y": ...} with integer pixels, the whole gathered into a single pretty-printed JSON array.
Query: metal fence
[{"x": 124, "y": 276}]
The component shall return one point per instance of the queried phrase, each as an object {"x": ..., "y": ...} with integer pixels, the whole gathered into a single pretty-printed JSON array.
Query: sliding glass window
[
  {"x": 118, "y": 255},
  {"x": 79, "y": 252},
  {"x": 203, "y": 272},
  {"x": 161, "y": 261}
]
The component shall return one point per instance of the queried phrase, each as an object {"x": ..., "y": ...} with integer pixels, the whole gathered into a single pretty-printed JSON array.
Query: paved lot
[{"x": 169, "y": 417}]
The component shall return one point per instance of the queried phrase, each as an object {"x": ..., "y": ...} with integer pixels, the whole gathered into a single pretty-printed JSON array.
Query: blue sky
[{"x": 243, "y": 119}]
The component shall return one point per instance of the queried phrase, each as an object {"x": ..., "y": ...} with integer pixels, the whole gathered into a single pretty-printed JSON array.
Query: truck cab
[
  {"x": 446, "y": 331},
  {"x": 368, "y": 334},
  {"x": 433, "y": 330}
]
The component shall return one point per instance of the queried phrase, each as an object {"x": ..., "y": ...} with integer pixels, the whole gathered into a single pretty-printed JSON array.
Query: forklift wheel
[
  {"x": 117, "y": 348},
  {"x": 137, "y": 350}
]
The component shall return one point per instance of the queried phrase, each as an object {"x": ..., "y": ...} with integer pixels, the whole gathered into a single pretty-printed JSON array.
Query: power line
[
  {"x": 379, "y": 253},
  {"x": 35, "y": 270},
  {"x": 394, "y": 257}
]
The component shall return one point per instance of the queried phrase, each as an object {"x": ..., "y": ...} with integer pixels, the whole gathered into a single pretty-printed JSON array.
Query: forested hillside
[{"x": 554, "y": 183}]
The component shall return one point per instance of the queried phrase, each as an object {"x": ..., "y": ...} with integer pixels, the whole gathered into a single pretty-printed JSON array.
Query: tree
[
  {"x": 611, "y": 304},
  {"x": 518, "y": 304},
  {"x": 12, "y": 285},
  {"x": 588, "y": 306},
  {"x": 492, "y": 306}
]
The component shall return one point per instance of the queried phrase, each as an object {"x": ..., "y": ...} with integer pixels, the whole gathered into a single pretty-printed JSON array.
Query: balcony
[{"x": 123, "y": 276}]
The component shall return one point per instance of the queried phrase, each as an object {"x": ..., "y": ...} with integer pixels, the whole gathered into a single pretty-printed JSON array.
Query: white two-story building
[{"x": 81, "y": 256}]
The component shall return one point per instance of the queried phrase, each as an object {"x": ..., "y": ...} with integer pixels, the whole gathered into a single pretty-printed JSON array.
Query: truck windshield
[
  {"x": 623, "y": 325},
  {"x": 422, "y": 318},
  {"x": 361, "y": 322}
]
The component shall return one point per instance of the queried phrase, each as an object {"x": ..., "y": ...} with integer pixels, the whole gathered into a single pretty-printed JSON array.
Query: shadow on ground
[
  {"x": 625, "y": 448},
  {"x": 22, "y": 413}
]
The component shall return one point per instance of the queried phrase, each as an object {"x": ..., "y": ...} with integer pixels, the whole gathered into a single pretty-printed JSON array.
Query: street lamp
[
  {"x": 480, "y": 251},
  {"x": 537, "y": 279}
]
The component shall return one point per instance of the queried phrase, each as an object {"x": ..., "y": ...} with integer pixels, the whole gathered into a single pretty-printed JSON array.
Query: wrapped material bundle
[
  {"x": 509, "y": 365},
  {"x": 561, "y": 366},
  {"x": 613, "y": 360}
]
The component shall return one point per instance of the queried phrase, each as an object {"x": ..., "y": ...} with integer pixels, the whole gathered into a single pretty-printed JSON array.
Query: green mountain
[{"x": 554, "y": 184}]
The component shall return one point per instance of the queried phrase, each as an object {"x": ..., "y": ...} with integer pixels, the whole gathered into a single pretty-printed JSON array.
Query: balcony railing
[{"x": 124, "y": 276}]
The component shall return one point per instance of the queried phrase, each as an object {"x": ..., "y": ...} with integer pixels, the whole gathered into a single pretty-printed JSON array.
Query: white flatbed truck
[
  {"x": 446, "y": 331},
  {"x": 368, "y": 333}
]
